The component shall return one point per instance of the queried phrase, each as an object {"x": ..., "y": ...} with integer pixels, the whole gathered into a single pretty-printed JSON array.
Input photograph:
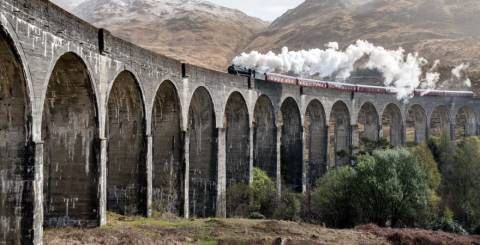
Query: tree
[
  {"x": 430, "y": 167},
  {"x": 390, "y": 187},
  {"x": 464, "y": 182},
  {"x": 332, "y": 198}
]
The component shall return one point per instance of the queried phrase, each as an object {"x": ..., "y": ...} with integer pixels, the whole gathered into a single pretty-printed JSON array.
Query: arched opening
[
  {"x": 339, "y": 133},
  {"x": 237, "y": 150},
  {"x": 291, "y": 150},
  {"x": 168, "y": 168},
  {"x": 465, "y": 123},
  {"x": 69, "y": 132},
  {"x": 202, "y": 155},
  {"x": 440, "y": 122},
  {"x": 392, "y": 125},
  {"x": 416, "y": 125},
  {"x": 368, "y": 125},
  {"x": 265, "y": 137},
  {"x": 15, "y": 202},
  {"x": 316, "y": 142},
  {"x": 126, "y": 175}
]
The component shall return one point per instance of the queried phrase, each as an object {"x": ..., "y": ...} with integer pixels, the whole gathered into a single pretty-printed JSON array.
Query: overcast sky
[{"x": 263, "y": 9}]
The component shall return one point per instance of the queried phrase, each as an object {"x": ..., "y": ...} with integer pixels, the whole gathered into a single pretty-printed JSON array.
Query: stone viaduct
[{"x": 90, "y": 123}]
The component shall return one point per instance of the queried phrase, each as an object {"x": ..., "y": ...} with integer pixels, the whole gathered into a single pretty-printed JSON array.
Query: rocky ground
[{"x": 137, "y": 230}]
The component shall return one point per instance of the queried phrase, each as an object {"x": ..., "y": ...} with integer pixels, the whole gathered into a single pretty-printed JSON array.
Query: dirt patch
[
  {"x": 418, "y": 236},
  {"x": 137, "y": 230}
]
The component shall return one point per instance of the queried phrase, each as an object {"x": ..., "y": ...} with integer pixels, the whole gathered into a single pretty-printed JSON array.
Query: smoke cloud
[{"x": 403, "y": 71}]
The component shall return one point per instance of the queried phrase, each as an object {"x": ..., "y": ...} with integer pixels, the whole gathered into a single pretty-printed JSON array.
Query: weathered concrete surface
[
  {"x": 126, "y": 176},
  {"x": 368, "y": 122},
  {"x": 265, "y": 137},
  {"x": 15, "y": 168},
  {"x": 392, "y": 125},
  {"x": 168, "y": 167},
  {"x": 237, "y": 146},
  {"x": 202, "y": 155},
  {"x": 416, "y": 124},
  {"x": 69, "y": 132},
  {"x": 169, "y": 153},
  {"x": 339, "y": 135},
  {"x": 291, "y": 152},
  {"x": 315, "y": 143}
]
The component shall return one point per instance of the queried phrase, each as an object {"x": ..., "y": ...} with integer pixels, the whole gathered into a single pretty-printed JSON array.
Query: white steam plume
[
  {"x": 400, "y": 70},
  {"x": 459, "y": 73}
]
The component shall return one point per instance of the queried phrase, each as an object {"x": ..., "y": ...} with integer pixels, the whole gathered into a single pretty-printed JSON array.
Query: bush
[
  {"x": 387, "y": 187},
  {"x": 464, "y": 182},
  {"x": 289, "y": 206},
  {"x": 332, "y": 198},
  {"x": 430, "y": 167},
  {"x": 238, "y": 200},
  {"x": 263, "y": 193},
  {"x": 476, "y": 231},
  {"x": 390, "y": 187},
  {"x": 446, "y": 223},
  {"x": 255, "y": 200}
]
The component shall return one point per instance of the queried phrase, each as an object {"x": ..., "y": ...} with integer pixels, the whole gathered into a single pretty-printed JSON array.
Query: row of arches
[{"x": 185, "y": 165}]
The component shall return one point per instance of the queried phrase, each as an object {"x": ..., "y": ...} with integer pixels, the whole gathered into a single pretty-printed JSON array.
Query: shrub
[
  {"x": 464, "y": 182},
  {"x": 332, "y": 198},
  {"x": 289, "y": 206},
  {"x": 263, "y": 193},
  {"x": 387, "y": 187},
  {"x": 430, "y": 167},
  {"x": 238, "y": 200},
  {"x": 390, "y": 186}
]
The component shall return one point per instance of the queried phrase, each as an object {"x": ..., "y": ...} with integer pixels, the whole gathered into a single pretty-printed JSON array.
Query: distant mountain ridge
[
  {"x": 447, "y": 30},
  {"x": 208, "y": 35},
  {"x": 193, "y": 31}
]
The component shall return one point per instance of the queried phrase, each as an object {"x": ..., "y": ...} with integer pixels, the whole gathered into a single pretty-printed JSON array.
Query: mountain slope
[
  {"x": 438, "y": 29},
  {"x": 194, "y": 31}
]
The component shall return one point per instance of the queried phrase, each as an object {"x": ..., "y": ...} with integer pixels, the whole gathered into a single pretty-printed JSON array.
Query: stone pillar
[
  {"x": 355, "y": 144},
  {"x": 38, "y": 194},
  {"x": 149, "y": 174},
  {"x": 403, "y": 136},
  {"x": 186, "y": 158},
  {"x": 306, "y": 158},
  {"x": 221, "y": 174},
  {"x": 453, "y": 133},
  {"x": 251, "y": 154},
  {"x": 102, "y": 182},
  {"x": 279, "y": 161}
]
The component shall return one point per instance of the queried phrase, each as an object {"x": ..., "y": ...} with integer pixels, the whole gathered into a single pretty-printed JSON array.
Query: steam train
[{"x": 345, "y": 87}]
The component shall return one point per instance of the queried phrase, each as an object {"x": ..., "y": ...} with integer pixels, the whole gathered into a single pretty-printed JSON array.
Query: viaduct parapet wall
[{"x": 90, "y": 123}]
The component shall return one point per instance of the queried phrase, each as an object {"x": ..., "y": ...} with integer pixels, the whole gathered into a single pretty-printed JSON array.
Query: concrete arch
[
  {"x": 168, "y": 168},
  {"x": 70, "y": 130},
  {"x": 392, "y": 125},
  {"x": 228, "y": 96},
  {"x": 16, "y": 213},
  {"x": 416, "y": 125},
  {"x": 315, "y": 133},
  {"x": 125, "y": 131},
  {"x": 465, "y": 122},
  {"x": 89, "y": 71},
  {"x": 139, "y": 85},
  {"x": 440, "y": 121},
  {"x": 265, "y": 136},
  {"x": 291, "y": 145},
  {"x": 237, "y": 127},
  {"x": 368, "y": 122},
  {"x": 278, "y": 107},
  {"x": 339, "y": 134},
  {"x": 202, "y": 154},
  {"x": 216, "y": 103}
]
